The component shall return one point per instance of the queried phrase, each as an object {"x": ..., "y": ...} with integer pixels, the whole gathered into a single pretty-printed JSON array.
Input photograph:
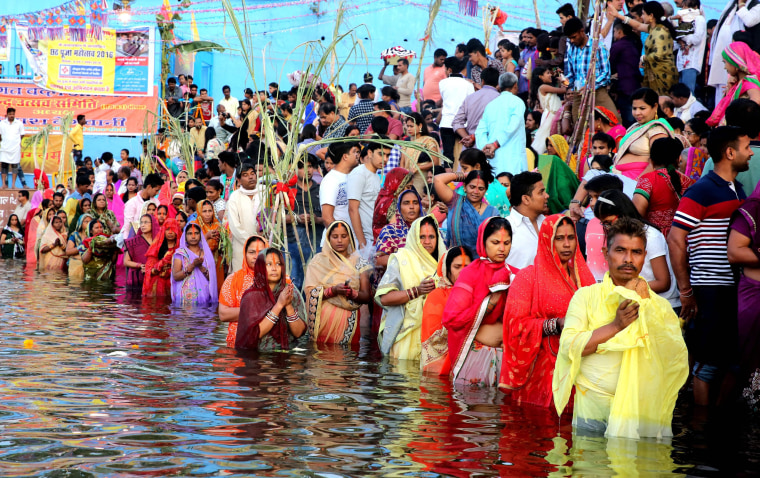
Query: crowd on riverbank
[{"x": 455, "y": 222}]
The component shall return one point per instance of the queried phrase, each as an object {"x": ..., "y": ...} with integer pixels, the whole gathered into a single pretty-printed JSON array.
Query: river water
[{"x": 96, "y": 383}]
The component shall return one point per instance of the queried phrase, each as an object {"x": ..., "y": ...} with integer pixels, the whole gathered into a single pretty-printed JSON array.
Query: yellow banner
[
  {"x": 52, "y": 158},
  {"x": 84, "y": 67}
]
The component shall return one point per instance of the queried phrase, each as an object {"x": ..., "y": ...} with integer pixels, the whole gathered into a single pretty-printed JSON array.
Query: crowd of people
[{"x": 455, "y": 224}]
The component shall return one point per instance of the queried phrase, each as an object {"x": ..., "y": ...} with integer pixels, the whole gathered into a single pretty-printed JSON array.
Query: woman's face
[
  {"x": 410, "y": 207},
  {"x": 173, "y": 188},
  {"x": 642, "y": 112},
  {"x": 339, "y": 239},
  {"x": 181, "y": 221},
  {"x": 50, "y": 215},
  {"x": 386, "y": 98},
  {"x": 62, "y": 215},
  {"x": 193, "y": 236},
  {"x": 550, "y": 148},
  {"x": 529, "y": 123},
  {"x": 475, "y": 190},
  {"x": 57, "y": 223},
  {"x": 565, "y": 242},
  {"x": 647, "y": 18},
  {"x": 252, "y": 252},
  {"x": 595, "y": 165},
  {"x": 151, "y": 209},
  {"x": 170, "y": 235},
  {"x": 161, "y": 215},
  {"x": 88, "y": 164},
  {"x": 730, "y": 69},
  {"x": 109, "y": 191},
  {"x": 428, "y": 238},
  {"x": 498, "y": 245},
  {"x": 608, "y": 221},
  {"x": 456, "y": 267},
  {"x": 207, "y": 213},
  {"x": 181, "y": 177},
  {"x": 274, "y": 269},
  {"x": 14, "y": 221},
  {"x": 131, "y": 185},
  {"x": 86, "y": 205},
  {"x": 97, "y": 228},
  {"x": 505, "y": 55},
  {"x": 146, "y": 225},
  {"x": 504, "y": 180},
  {"x": 329, "y": 165},
  {"x": 466, "y": 168},
  {"x": 354, "y": 132},
  {"x": 101, "y": 203},
  {"x": 412, "y": 129},
  {"x": 546, "y": 77}
]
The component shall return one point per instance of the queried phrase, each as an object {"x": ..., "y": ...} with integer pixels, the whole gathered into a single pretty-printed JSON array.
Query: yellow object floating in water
[
  {"x": 28, "y": 343},
  {"x": 135, "y": 346}
]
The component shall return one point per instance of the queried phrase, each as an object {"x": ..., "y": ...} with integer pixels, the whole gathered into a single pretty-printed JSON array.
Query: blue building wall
[{"x": 273, "y": 36}]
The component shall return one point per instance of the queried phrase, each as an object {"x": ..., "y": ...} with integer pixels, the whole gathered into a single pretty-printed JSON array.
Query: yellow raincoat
[{"x": 628, "y": 387}]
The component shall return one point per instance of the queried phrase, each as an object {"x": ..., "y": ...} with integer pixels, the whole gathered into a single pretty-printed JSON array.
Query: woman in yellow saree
[
  {"x": 414, "y": 160},
  {"x": 53, "y": 246},
  {"x": 336, "y": 285},
  {"x": 216, "y": 236}
]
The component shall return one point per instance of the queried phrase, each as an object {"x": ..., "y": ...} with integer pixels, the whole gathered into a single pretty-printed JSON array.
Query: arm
[
  {"x": 740, "y": 251},
  {"x": 87, "y": 256},
  {"x": 401, "y": 297},
  {"x": 365, "y": 296},
  {"x": 328, "y": 211},
  {"x": 381, "y": 259},
  {"x": 228, "y": 314},
  {"x": 661, "y": 282},
  {"x": 440, "y": 183},
  {"x": 551, "y": 89},
  {"x": 356, "y": 222},
  {"x": 71, "y": 249},
  {"x": 679, "y": 259},
  {"x": 627, "y": 312},
  {"x": 580, "y": 196},
  {"x": 750, "y": 17}
]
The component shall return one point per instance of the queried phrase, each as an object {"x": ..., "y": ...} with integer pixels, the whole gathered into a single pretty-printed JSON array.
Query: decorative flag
[
  {"x": 54, "y": 23},
  {"x": 469, "y": 8},
  {"x": 98, "y": 18},
  {"x": 77, "y": 21},
  {"x": 3, "y": 34}
]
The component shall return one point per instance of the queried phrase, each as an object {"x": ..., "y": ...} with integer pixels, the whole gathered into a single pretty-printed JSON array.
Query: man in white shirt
[
  {"x": 529, "y": 200},
  {"x": 106, "y": 164},
  {"x": 686, "y": 105},
  {"x": 454, "y": 89},
  {"x": 23, "y": 207},
  {"x": 243, "y": 209},
  {"x": 405, "y": 86},
  {"x": 333, "y": 190},
  {"x": 363, "y": 188},
  {"x": 133, "y": 208},
  {"x": 219, "y": 122},
  {"x": 230, "y": 103},
  {"x": 11, "y": 133}
]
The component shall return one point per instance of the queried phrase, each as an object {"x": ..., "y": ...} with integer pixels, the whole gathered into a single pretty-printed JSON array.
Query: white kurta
[
  {"x": 10, "y": 147},
  {"x": 242, "y": 218}
]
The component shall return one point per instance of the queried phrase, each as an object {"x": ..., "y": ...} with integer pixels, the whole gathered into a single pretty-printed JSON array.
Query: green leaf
[{"x": 195, "y": 46}]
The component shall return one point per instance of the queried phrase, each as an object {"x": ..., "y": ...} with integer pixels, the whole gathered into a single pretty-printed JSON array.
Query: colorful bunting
[
  {"x": 51, "y": 23},
  {"x": 469, "y": 8}
]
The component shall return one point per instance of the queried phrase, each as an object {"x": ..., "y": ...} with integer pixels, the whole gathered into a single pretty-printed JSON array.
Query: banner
[
  {"x": 5, "y": 42},
  {"x": 55, "y": 141},
  {"x": 119, "y": 63},
  {"x": 106, "y": 115}
]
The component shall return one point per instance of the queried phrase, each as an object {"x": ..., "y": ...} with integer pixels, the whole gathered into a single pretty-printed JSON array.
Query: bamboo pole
[
  {"x": 435, "y": 6},
  {"x": 535, "y": 9}
]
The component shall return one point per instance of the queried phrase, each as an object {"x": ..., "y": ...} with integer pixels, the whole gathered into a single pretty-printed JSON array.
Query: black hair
[
  {"x": 336, "y": 151},
  {"x": 125, "y": 195},
  {"x": 621, "y": 206},
  {"x": 522, "y": 185},
  {"x": 380, "y": 125},
  {"x": 440, "y": 52},
  {"x": 675, "y": 123},
  {"x": 391, "y": 92},
  {"x": 475, "y": 157},
  {"x": 475, "y": 45},
  {"x": 107, "y": 156},
  {"x": 566, "y": 10},
  {"x": 490, "y": 76},
  {"x": 572, "y": 26},
  {"x": 309, "y": 132},
  {"x": 658, "y": 12},
  {"x": 153, "y": 180},
  {"x": 604, "y": 137},
  {"x": 455, "y": 252},
  {"x": 82, "y": 180},
  {"x": 201, "y": 174},
  {"x": 494, "y": 225},
  {"x": 80, "y": 117},
  {"x": 351, "y": 128},
  {"x": 505, "y": 175},
  {"x": 603, "y": 160},
  {"x": 535, "y": 84},
  {"x": 699, "y": 126},
  {"x": 745, "y": 113},
  {"x": 629, "y": 33},
  {"x": 712, "y": 23},
  {"x": 604, "y": 182},
  {"x": 46, "y": 203},
  {"x": 680, "y": 90},
  {"x": 666, "y": 152},
  {"x": 722, "y": 138},
  {"x": 24, "y": 193},
  {"x": 327, "y": 108},
  {"x": 163, "y": 206},
  {"x": 418, "y": 119},
  {"x": 461, "y": 47},
  {"x": 375, "y": 145},
  {"x": 648, "y": 96},
  {"x": 486, "y": 176},
  {"x": 452, "y": 63},
  {"x": 365, "y": 91},
  {"x": 216, "y": 184},
  {"x": 626, "y": 226}
]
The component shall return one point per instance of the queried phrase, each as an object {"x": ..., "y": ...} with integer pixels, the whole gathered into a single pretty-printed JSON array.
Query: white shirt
[
  {"x": 696, "y": 43},
  {"x": 333, "y": 191},
  {"x": 22, "y": 211},
  {"x": 524, "y": 239},
  {"x": 10, "y": 148},
  {"x": 132, "y": 210},
  {"x": 230, "y": 106},
  {"x": 687, "y": 111},
  {"x": 242, "y": 218},
  {"x": 657, "y": 246},
  {"x": 363, "y": 185},
  {"x": 453, "y": 90},
  {"x": 101, "y": 178}
]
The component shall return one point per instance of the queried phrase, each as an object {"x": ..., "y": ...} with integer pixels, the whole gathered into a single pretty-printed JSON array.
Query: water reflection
[{"x": 119, "y": 385}]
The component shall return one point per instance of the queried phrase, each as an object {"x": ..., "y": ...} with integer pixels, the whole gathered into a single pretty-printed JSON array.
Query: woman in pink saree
[{"x": 743, "y": 67}]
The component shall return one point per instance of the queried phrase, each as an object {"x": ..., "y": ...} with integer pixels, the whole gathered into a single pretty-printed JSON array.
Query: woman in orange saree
[
  {"x": 535, "y": 312},
  {"x": 213, "y": 231},
  {"x": 435, "y": 346}
]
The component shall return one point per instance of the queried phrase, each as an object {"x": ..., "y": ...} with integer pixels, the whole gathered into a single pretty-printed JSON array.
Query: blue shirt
[
  {"x": 577, "y": 62},
  {"x": 503, "y": 121}
]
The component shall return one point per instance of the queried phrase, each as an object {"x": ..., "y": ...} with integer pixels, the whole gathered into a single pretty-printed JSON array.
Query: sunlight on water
[{"x": 97, "y": 383}]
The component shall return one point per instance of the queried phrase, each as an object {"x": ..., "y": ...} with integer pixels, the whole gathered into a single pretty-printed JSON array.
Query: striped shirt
[
  {"x": 577, "y": 63},
  {"x": 704, "y": 212}
]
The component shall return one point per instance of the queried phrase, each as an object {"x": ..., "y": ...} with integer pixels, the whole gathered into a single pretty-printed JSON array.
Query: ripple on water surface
[{"x": 97, "y": 383}]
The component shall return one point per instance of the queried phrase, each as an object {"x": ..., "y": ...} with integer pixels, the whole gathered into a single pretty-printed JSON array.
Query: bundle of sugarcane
[
  {"x": 435, "y": 6},
  {"x": 42, "y": 136},
  {"x": 65, "y": 127}
]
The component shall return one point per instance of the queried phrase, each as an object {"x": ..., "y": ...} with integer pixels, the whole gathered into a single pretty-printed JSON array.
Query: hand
[
  {"x": 467, "y": 141},
  {"x": 442, "y": 208},
  {"x": 142, "y": 268},
  {"x": 688, "y": 308},
  {"x": 342, "y": 289},
  {"x": 627, "y": 312},
  {"x": 286, "y": 297},
  {"x": 488, "y": 151},
  {"x": 426, "y": 286},
  {"x": 197, "y": 262},
  {"x": 305, "y": 218},
  {"x": 576, "y": 211},
  {"x": 561, "y": 323},
  {"x": 611, "y": 12}
]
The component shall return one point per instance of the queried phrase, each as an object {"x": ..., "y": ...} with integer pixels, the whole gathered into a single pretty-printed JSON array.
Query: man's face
[
  {"x": 538, "y": 198},
  {"x": 226, "y": 92},
  {"x": 82, "y": 121},
  {"x": 379, "y": 157},
  {"x": 459, "y": 54},
  {"x": 599, "y": 147},
  {"x": 190, "y": 123},
  {"x": 272, "y": 89},
  {"x": 57, "y": 202},
  {"x": 172, "y": 85},
  {"x": 326, "y": 119},
  {"x": 352, "y": 157},
  {"x": 679, "y": 101},
  {"x": 563, "y": 19},
  {"x": 740, "y": 155},
  {"x": 22, "y": 199},
  {"x": 11, "y": 115},
  {"x": 439, "y": 60},
  {"x": 305, "y": 174},
  {"x": 194, "y": 91},
  {"x": 625, "y": 257},
  {"x": 578, "y": 38},
  {"x": 402, "y": 67},
  {"x": 529, "y": 39},
  {"x": 248, "y": 179}
]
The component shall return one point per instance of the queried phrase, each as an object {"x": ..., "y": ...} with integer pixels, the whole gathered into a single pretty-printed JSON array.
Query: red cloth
[
  {"x": 663, "y": 199},
  {"x": 158, "y": 270},
  {"x": 385, "y": 198},
  {"x": 256, "y": 302},
  {"x": 539, "y": 292},
  {"x": 462, "y": 314}
]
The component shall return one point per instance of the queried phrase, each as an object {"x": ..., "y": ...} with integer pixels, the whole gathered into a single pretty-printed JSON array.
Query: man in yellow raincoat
[{"x": 621, "y": 347}]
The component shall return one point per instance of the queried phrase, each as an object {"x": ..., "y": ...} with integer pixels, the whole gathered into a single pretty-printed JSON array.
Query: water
[{"x": 95, "y": 383}]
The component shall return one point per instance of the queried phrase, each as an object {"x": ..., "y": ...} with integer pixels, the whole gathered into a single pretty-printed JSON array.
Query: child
[
  {"x": 499, "y": 17},
  {"x": 602, "y": 143}
]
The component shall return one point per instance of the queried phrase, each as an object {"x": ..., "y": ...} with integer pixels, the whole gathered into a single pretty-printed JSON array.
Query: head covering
[
  {"x": 80, "y": 234},
  {"x": 608, "y": 115},
  {"x": 210, "y": 226},
  {"x": 464, "y": 312},
  {"x": 695, "y": 163},
  {"x": 395, "y": 180},
  {"x": 560, "y": 145},
  {"x": 741, "y": 56},
  {"x": 77, "y": 214},
  {"x": 257, "y": 301},
  {"x": 116, "y": 204},
  {"x": 393, "y": 235},
  {"x": 158, "y": 239},
  {"x": 204, "y": 290}
]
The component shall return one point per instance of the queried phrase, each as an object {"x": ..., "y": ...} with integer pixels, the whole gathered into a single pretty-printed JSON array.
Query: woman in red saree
[
  {"x": 271, "y": 315},
  {"x": 235, "y": 286},
  {"x": 475, "y": 308},
  {"x": 158, "y": 268},
  {"x": 435, "y": 344},
  {"x": 536, "y": 307}
]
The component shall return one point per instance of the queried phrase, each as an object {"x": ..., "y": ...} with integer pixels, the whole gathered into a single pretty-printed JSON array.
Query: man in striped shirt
[{"x": 697, "y": 243}]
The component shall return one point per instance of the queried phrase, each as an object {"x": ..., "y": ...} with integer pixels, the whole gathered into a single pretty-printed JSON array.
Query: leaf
[{"x": 195, "y": 46}]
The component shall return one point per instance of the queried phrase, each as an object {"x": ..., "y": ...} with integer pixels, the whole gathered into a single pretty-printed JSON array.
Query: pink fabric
[
  {"x": 632, "y": 170},
  {"x": 617, "y": 132},
  {"x": 749, "y": 61},
  {"x": 594, "y": 243}
]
